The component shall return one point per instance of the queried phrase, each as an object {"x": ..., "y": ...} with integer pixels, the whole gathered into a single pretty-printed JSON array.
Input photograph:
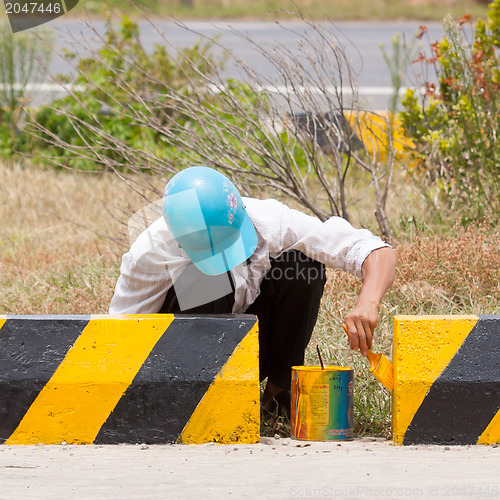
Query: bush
[
  {"x": 23, "y": 60},
  {"x": 455, "y": 128},
  {"x": 98, "y": 115},
  {"x": 292, "y": 135}
]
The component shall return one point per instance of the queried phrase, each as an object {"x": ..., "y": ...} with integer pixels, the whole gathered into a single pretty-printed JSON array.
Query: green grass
[{"x": 340, "y": 10}]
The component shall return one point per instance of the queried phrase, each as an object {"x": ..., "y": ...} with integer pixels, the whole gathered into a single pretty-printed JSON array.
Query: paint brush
[{"x": 380, "y": 367}]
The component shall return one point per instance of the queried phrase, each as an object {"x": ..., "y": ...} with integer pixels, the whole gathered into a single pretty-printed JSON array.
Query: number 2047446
[
  {"x": 34, "y": 8},
  {"x": 472, "y": 491}
]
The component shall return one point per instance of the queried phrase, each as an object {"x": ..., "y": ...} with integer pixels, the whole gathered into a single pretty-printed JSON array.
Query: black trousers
[{"x": 287, "y": 309}]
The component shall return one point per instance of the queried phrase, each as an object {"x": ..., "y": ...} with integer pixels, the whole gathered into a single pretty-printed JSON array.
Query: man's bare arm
[{"x": 379, "y": 270}]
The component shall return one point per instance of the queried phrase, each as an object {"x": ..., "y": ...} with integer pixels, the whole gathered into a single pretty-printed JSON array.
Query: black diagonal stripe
[
  {"x": 173, "y": 379},
  {"x": 31, "y": 349},
  {"x": 464, "y": 399}
]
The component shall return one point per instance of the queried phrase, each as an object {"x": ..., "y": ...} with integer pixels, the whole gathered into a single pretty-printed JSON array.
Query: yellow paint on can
[
  {"x": 93, "y": 376},
  {"x": 492, "y": 433},
  {"x": 229, "y": 412},
  {"x": 322, "y": 403},
  {"x": 423, "y": 346}
]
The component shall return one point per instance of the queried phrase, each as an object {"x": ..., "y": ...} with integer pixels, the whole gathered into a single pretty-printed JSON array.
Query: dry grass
[
  {"x": 51, "y": 261},
  {"x": 360, "y": 10},
  {"x": 456, "y": 273},
  {"x": 56, "y": 258}
]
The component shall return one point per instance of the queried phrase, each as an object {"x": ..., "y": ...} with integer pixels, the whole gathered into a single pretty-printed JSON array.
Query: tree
[{"x": 301, "y": 135}]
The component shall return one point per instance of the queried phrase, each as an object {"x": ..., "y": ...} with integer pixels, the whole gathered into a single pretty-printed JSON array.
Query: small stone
[
  {"x": 339, "y": 444},
  {"x": 494, "y": 445},
  {"x": 277, "y": 436},
  {"x": 144, "y": 446},
  {"x": 286, "y": 442},
  {"x": 446, "y": 448}
]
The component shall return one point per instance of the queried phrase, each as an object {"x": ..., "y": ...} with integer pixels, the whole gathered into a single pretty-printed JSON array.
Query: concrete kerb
[
  {"x": 447, "y": 380},
  {"x": 162, "y": 379},
  {"x": 128, "y": 379}
]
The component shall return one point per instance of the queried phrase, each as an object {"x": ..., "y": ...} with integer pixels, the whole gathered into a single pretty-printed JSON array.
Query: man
[{"x": 214, "y": 252}]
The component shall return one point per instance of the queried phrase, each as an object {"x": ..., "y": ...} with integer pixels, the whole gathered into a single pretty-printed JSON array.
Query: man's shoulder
[
  {"x": 155, "y": 240},
  {"x": 265, "y": 214},
  {"x": 268, "y": 206}
]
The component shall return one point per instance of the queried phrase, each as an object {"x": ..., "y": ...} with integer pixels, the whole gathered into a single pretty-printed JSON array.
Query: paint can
[{"x": 322, "y": 403}]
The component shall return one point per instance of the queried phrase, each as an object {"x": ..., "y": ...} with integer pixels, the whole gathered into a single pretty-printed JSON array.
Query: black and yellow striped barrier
[
  {"x": 447, "y": 380},
  {"x": 129, "y": 379}
]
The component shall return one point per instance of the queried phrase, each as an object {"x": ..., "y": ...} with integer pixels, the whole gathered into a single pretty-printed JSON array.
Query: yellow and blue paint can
[{"x": 322, "y": 403}]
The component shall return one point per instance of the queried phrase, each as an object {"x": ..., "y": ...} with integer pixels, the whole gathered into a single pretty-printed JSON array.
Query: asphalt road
[{"x": 361, "y": 42}]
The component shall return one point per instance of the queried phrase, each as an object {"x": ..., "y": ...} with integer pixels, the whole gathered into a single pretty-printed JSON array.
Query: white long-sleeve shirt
[{"x": 155, "y": 260}]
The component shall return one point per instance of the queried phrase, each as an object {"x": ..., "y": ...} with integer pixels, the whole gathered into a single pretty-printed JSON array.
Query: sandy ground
[{"x": 275, "y": 468}]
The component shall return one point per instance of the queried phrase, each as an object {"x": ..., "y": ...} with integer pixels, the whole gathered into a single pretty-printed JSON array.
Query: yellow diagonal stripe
[
  {"x": 91, "y": 379},
  {"x": 492, "y": 433},
  {"x": 229, "y": 412},
  {"x": 3, "y": 319},
  {"x": 423, "y": 347}
]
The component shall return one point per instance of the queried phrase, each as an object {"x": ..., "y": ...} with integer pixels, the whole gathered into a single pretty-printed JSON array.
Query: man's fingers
[
  {"x": 362, "y": 336},
  {"x": 369, "y": 328},
  {"x": 352, "y": 334},
  {"x": 360, "y": 331}
]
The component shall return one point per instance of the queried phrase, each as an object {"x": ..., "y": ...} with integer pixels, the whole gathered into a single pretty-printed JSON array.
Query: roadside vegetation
[
  {"x": 454, "y": 126},
  {"x": 340, "y": 10},
  {"x": 74, "y": 171}
]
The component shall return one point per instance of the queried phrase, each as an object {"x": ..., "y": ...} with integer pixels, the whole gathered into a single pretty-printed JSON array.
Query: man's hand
[
  {"x": 361, "y": 323},
  {"x": 379, "y": 270}
]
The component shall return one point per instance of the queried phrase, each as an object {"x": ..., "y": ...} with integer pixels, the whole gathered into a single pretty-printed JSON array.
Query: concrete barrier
[
  {"x": 129, "y": 379},
  {"x": 366, "y": 130},
  {"x": 447, "y": 380}
]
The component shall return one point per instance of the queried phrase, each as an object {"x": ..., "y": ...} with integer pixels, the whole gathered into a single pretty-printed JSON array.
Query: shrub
[
  {"x": 24, "y": 58},
  {"x": 98, "y": 115},
  {"x": 455, "y": 127},
  {"x": 154, "y": 114}
]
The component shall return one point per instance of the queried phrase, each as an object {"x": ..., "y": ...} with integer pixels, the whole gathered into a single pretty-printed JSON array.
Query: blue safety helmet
[{"x": 205, "y": 214}]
